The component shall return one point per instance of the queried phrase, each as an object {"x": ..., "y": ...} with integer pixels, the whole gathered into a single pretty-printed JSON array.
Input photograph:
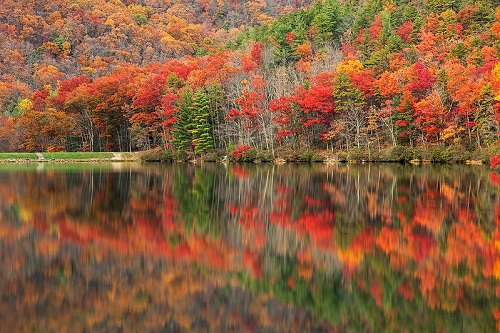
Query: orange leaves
[
  {"x": 303, "y": 51},
  {"x": 495, "y": 28},
  {"x": 388, "y": 85},
  {"x": 388, "y": 239},
  {"x": 431, "y": 115},
  {"x": 248, "y": 64},
  {"x": 496, "y": 315}
]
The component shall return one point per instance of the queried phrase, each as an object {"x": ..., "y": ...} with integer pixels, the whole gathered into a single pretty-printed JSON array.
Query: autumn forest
[{"x": 389, "y": 80}]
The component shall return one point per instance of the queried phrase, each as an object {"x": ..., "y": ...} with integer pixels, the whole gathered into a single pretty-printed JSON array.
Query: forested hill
[
  {"x": 90, "y": 36},
  {"x": 189, "y": 77}
]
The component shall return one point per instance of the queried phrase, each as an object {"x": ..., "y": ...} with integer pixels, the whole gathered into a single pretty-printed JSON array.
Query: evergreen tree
[
  {"x": 201, "y": 128},
  {"x": 182, "y": 133},
  {"x": 327, "y": 22}
]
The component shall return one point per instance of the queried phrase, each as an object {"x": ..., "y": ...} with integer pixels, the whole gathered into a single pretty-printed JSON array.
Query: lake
[{"x": 249, "y": 248}]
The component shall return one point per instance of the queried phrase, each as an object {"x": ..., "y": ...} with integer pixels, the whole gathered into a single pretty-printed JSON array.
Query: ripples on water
[{"x": 363, "y": 248}]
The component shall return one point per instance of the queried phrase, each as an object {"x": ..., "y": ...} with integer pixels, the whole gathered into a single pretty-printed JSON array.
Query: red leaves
[
  {"x": 495, "y": 178},
  {"x": 168, "y": 102},
  {"x": 421, "y": 79},
  {"x": 65, "y": 89},
  {"x": 375, "y": 28},
  {"x": 238, "y": 152},
  {"x": 250, "y": 104},
  {"x": 405, "y": 30},
  {"x": 311, "y": 122},
  {"x": 495, "y": 161},
  {"x": 256, "y": 53},
  {"x": 239, "y": 172},
  {"x": 290, "y": 37},
  {"x": 318, "y": 98}
]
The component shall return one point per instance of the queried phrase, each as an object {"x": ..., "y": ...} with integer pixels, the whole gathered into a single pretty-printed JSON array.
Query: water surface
[{"x": 252, "y": 248}]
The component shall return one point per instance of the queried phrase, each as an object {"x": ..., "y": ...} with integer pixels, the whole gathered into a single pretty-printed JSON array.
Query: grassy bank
[
  {"x": 67, "y": 157},
  {"x": 399, "y": 154}
]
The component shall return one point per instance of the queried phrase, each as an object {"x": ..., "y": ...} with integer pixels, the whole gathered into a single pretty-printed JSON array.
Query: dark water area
[{"x": 249, "y": 248}]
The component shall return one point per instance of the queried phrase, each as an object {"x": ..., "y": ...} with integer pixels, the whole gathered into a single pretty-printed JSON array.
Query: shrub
[
  {"x": 243, "y": 154},
  {"x": 458, "y": 154},
  {"x": 440, "y": 155},
  {"x": 400, "y": 154},
  {"x": 181, "y": 155},
  {"x": 264, "y": 156},
  {"x": 487, "y": 153},
  {"x": 157, "y": 155},
  {"x": 213, "y": 156},
  {"x": 303, "y": 156},
  {"x": 249, "y": 155},
  {"x": 317, "y": 158},
  {"x": 356, "y": 154},
  {"x": 342, "y": 156}
]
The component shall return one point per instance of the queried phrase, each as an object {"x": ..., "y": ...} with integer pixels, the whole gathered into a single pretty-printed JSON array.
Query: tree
[
  {"x": 201, "y": 131},
  {"x": 350, "y": 103},
  {"x": 327, "y": 22},
  {"x": 182, "y": 132}
]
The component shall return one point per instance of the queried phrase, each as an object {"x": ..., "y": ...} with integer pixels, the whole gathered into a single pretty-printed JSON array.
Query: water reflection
[{"x": 253, "y": 247}]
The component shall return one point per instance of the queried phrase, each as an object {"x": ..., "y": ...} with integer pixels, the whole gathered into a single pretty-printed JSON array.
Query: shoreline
[{"x": 252, "y": 157}]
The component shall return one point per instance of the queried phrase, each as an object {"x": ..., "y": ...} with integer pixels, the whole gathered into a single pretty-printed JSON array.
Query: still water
[{"x": 252, "y": 248}]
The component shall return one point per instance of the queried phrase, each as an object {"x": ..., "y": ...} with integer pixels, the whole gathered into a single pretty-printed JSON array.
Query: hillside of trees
[{"x": 363, "y": 77}]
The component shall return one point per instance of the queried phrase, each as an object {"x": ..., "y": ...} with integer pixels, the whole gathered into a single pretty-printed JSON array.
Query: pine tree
[
  {"x": 182, "y": 133},
  {"x": 201, "y": 130},
  {"x": 328, "y": 22}
]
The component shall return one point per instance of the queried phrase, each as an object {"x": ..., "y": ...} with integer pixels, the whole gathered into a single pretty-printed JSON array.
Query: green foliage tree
[
  {"x": 182, "y": 135},
  {"x": 327, "y": 22},
  {"x": 201, "y": 130},
  {"x": 350, "y": 102}
]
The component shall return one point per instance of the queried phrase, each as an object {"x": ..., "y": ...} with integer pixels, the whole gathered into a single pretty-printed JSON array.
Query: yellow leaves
[
  {"x": 25, "y": 105},
  {"x": 451, "y": 131},
  {"x": 66, "y": 48},
  {"x": 495, "y": 77},
  {"x": 87, "y": 70},
  {"x": 350, "y": 65},
  {"x": 110, "y": 22},
  {"x": 351, "y": 257},
  {"x": 495, "y": 72},
  {"x": 140, "y": 10}
]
